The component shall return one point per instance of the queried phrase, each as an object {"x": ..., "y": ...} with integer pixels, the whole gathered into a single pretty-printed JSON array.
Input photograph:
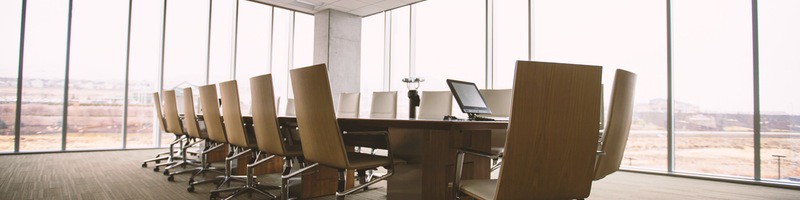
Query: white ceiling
[{"x": 356, "y": 7}]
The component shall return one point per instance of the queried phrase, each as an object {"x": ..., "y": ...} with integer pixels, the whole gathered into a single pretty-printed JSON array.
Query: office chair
[
  {"x": 348, "y": 105},
  {"x": 321, "y": 139},
  {"x": 435, "y": 104},
  {"x": 615, "y": 135},
  {"x": 499, "y": 101},
  {"x": 384, "y": 105},
  {"x": 175, "y": 126},
  {"x": 168, "y": 155},
  {"x": 552, "y": 136},
  {"x": 239, "y": 139},
  {"x": 268, "y": 131}
]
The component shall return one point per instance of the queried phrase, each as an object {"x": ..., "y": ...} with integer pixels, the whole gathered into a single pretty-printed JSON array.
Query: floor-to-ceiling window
[
  {"x": 779, "y": 65},
  {"x": 373, "y": 31},
  {"x": 510, "y": 40},
  {"x": 95, "y": 103},
  {"x": 254, "y": 46},
  {"x": 302, "y": 50},
  {"x": 223, "y": 19},
  {"x": 10, "y": 17},
  {"x": 143, "y": 73},
  {"x": 43, "y": 75},
  {"x": 185, "y": 49},
  {"x": 713, "y": 86},
  {"x": 400, "y": 33},
  {"x": 282, "y": 38},
  {"x": 613, "y": 35}
]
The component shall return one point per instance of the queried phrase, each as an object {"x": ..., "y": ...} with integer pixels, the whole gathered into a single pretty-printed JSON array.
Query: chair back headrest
[
  {"x": 265, "y": 117},
  {"x": 620, "y": 114},
  {"x": 189, "y": 116},
  {"x": 435, "y": 104},
  {"x": 499, "y": 101},
  {"x": 232, "y": 114},
  {"x": 171, "y": 113},
  {"x": 320, "y": 136},
  {"x": 384, "y": 105},
  {"x": 348, "y": 105},
  {"x": 211, "y": 117},
  {"x": 552, "y": 132}
]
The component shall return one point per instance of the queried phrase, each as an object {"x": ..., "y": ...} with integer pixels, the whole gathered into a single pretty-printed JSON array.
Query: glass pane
[
  {"x": 372, "y": 61},
  {"x": 99, "y": 43},
  {"x": 510, "y": 39},
  {"x": 143, "y": 76},
  {"x": 253, "y": 55},
  {"x": 450, "y": 44},
  {"x": 625, "y": 34},
  {"x": 779, "y": 45},
  {"x": 713, "y": 119},
  {"x": 223, "y": 19},
  {"x": 186, "y": 47},
  {"x": 43, "y": 75},
  {"x": 400, "y": 40},
  {"x": 10, "y": 19},
  {"x": 303, "y": 48},
  {"x": 281, "y": 38}
]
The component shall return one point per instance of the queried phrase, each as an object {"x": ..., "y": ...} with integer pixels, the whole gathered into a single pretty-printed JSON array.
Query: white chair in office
[
  {"x": 384, "y": 105},
  {"x": 348, "y": 105},
  {"x": 435, "y": 104},
  {"x": 289, "y": 107},
  {"x": 499, "y": 101}
]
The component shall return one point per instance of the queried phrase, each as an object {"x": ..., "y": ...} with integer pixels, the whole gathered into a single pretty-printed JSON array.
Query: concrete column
[{"x": 337, "y": 42}]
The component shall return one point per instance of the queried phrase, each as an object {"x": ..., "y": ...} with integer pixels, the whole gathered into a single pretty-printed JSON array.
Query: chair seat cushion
[
  {"x": 366, "y": 161},
  {"x": 479, "y": 189}
]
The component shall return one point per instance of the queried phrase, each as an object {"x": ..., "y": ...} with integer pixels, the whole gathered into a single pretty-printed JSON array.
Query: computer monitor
[{"x": 468, "y": 97}]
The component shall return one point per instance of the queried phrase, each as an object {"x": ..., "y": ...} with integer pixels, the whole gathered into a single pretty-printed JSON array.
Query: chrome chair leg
[
  {"x": 250, "y": 184},
  {"x": 204, "y": 168}
]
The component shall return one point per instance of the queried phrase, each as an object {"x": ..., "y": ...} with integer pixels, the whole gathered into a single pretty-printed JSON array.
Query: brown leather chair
[
  {"x": 615, "y": 136},
  {"x": 239, "y": 140},
  {"x": 320, "y": 136},
  {"x": 167, "y": 155},
  {"x": 271, "y": 138},
  {"x": 552, "y": 136}
]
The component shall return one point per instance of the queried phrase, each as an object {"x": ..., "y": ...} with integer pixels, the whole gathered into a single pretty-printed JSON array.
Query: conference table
[{"x": 428, "y": 147}]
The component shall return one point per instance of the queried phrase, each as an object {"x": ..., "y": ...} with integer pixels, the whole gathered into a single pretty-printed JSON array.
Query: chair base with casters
[
  {"x": 205, "y": 167},
  {"x": 250, "y": 186},
  {"x": 228, "y": 177},
  {"x": 184, "y": 160},
  {"x": 171, "y": 157}
]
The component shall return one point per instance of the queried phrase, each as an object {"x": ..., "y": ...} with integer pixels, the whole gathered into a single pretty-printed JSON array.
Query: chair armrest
[{"x": 478, "y": 153}]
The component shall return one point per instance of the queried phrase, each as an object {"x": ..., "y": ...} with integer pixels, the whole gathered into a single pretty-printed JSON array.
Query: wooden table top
[{"x": 385, "y": 123}]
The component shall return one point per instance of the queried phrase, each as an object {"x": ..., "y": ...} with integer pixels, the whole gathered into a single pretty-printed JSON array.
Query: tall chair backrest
[
  {"x": 348, "y": 105},
  {"x": 211, "y": 116},
  {"x": 319, "y": 130},
  {"x": 435, "y": 104},
  {"x": 552, "y": 135},
  {"x": 232, "y": 114},
  {"x": 189, "y": 116},
  {"x": 384, "y": 105},
  {"x": 499, "y": 101},
  {"x": 171, "y": 113},
  {"x": 157, "y": 105},
  {"x": 265, "y": 117},
  {"x": 290, "y": 111},
  {"x": 620, "y": 114}
]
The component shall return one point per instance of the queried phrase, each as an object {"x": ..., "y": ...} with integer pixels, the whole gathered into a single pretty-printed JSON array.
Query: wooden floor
[{"x": 117, "y": 175}]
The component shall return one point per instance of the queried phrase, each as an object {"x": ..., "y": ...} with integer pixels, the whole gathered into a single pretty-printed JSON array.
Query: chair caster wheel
[
  {"x": 171, "y": 178},
  {"x": 158, "y": 161},
  {"x": 155, "y": 169},
  {"x": 190, "y": 188},
  {"x": 144, "y": 165},
  {"x": 166, "y": 172}
]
